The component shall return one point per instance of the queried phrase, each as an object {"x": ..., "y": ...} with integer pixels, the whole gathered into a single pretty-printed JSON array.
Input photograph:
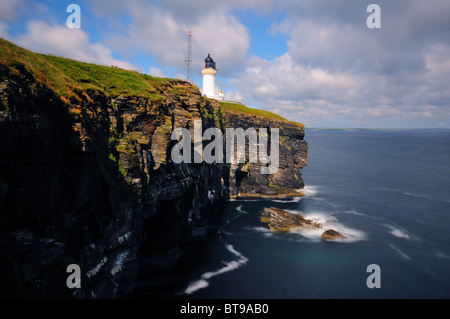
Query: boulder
[{"x": 331, "y": 234}]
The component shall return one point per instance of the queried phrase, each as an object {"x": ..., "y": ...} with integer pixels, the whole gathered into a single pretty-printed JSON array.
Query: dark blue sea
[{"x": 387, "y": 191}]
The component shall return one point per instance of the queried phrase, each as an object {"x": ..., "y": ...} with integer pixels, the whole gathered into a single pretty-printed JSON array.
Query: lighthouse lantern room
[{"x": 209, "y": 85}]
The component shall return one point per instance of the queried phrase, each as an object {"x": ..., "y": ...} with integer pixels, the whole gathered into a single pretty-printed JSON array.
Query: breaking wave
[
  {"x": 329, "y": 222},
  {"x": 309, "y": 190}
]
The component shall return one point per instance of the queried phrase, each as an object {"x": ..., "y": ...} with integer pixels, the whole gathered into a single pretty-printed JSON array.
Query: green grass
[
  {"x": 69, "y": 78},
  {"x": 242, "y": 108}
]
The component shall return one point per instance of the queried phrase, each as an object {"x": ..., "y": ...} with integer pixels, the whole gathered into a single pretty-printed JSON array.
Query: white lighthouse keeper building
[{"x": 209, "y": 83}]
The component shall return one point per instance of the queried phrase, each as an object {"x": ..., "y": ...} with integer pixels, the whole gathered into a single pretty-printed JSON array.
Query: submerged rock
[{"x": 331, "y": 234}]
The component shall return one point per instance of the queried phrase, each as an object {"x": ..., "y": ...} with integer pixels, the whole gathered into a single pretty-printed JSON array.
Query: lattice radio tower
[{"x": 189, "y": 57}]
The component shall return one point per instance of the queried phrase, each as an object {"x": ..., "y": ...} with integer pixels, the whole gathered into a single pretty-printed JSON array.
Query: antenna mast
[{"x": 189, "y": 57}]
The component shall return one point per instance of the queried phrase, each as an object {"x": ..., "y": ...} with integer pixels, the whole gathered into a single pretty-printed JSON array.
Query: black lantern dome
[{"x": 209, "y": 62}]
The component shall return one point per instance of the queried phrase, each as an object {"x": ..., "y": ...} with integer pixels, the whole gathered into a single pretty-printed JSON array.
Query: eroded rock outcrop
[
  {"x": 280, "y": 220},
  {"x": 246, "y": 179}
]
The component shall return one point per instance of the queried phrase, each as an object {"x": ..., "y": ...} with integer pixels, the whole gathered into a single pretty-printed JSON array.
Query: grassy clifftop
[
  {"x": 64, "y": 76},
  {"x": 70, "y": 79},
  {"x": 233, "y": 107}
]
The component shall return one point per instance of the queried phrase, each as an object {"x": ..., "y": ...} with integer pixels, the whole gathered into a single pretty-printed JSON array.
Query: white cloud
[
  {"x": 335, "y": 70},
  {"x": 282, "y": 79},
  {"x": 319, "y": 97},
  {"x": 436, "y": 78},
  {"x": 338, "y": 72},
  {"x": 162, "y": 34},
  {"x": 3, "y": 30},
  {"x": 9, "y": 9},
  {"x": 188, "y": 10},
  {"x": 154, "y": 71},
  {"x": 234, "y": 96},
  {"x": 70, "y": 43}
]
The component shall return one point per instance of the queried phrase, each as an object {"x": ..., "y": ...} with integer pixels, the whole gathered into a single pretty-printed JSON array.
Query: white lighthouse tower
[{"x": 209, "y": 83}]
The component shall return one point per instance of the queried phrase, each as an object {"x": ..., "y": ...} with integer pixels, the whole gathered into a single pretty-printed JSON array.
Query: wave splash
[
  {"x": 329, "y": 222},
  {"x": 309, "y": 190}
]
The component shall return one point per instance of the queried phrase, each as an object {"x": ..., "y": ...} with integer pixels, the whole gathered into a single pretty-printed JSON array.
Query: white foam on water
[
  {"x": 240, "y": 210},
  {"x": 266, "y": 232},
  {"x": 229, "y": 266},
  {"x": 397, "y": 232},
  {"x": 353, "y": 235},
  {"x": 196, "y": 285},
  {"x": 309, "y": 190},
  {"x": 354, "y": 212},
  {"x": 288, "y": 200},
  {"x": 441, "y": 254},
  {"x": 322, "y": 218},
  {"x": 400, "y": 252},
  {"x": 310, "y": 233},
  {"x": 235, "y": 252},
  {"x": 420, "y": 195}
]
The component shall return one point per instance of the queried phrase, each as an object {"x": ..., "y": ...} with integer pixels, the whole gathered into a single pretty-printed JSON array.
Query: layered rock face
[
  {"x": 89, "y": 180},
  {"x": 246, "y": 179},
  {"x": 93, "y": 187}
]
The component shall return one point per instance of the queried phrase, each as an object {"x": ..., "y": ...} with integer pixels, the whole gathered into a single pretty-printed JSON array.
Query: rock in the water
[
  {"x": 281, "y": 220},
  {"x": 331, "y": 234}
]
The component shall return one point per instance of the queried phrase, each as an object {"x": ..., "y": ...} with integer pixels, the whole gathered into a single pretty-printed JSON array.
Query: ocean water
[{"x": 388, "y": 192}]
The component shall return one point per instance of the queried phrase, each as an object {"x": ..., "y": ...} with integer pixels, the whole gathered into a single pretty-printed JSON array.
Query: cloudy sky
[{"x": 313, "y": 61}]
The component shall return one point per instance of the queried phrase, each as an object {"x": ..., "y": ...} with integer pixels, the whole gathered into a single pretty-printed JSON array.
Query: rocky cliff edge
[{"x": 86, "y": 175}]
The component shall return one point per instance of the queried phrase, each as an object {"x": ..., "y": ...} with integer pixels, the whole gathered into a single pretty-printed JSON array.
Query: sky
[{"x": 312, "y": 61}]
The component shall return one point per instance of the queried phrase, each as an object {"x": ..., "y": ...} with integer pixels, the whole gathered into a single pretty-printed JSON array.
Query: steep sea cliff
[{"x": 86, "y": 175}]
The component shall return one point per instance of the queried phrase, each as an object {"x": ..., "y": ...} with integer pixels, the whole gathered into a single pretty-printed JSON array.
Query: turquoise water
[{"x": 389, "y": 192}]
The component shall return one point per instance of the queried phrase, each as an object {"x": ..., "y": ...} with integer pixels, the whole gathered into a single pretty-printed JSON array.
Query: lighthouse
[{"x": 209, "y": 84}]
